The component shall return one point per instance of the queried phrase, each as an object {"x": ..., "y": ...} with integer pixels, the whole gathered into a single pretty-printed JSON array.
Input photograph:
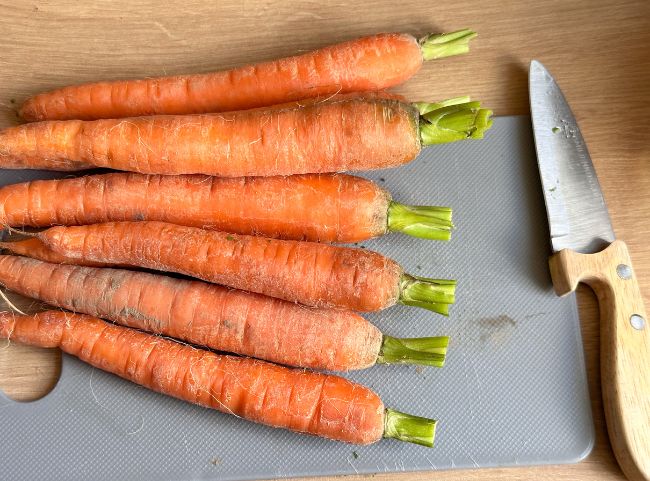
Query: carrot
[
  {"x": 369, "y": 63},
  {"x": 299, "y": 400},
  {"x": 316, "y": 207},
  {"x": 35, "y": 248},
  {"x": 349, "y": 133},
  {"x": 319, "y": 275},
  {"x": 218, "y": 318}
]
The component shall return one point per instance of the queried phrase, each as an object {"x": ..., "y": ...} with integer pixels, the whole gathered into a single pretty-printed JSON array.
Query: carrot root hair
[
  {"x": 9, "y": 303},
  {"x": 425, "y": 351},
  {"x": 452, "y": 120},
  {"x": 443, "y": 45},
  {"x": 433, "y": 294},
  {"x": 12, "y": 307},
  {"x": 13, "y": 230},
  {"x": 423, "y": 221}
]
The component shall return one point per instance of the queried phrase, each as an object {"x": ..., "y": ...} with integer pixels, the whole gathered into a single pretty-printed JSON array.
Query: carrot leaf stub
[
  {"x": 425, "y": 351},
  {"x": 409, "y": 428},
  {"x": 425, "y": 222},
  {"x": 446, "y": 44},
  {"x": 452, "y": 120},
  {"x": 432, "y": 294}
]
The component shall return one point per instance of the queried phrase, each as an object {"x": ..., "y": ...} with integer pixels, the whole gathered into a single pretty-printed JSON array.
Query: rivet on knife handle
[{"x": 625, "y": 348}]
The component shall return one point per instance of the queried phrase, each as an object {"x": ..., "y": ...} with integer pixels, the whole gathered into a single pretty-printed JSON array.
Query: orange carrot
[
  {"x": 349, "y": 133},
  {"x": 218, "y": 318},
  {"x": 369, "y": 63},
  {"x": 35, "y": 248},
  {"x": 319, "y": 275},
  {"x": 299, "y": 400},
  {"x": 317, "y": 207}
]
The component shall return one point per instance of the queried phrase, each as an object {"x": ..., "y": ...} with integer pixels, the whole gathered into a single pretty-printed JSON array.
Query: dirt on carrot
[
  {"x": 299, "y": 400},
  {"x": 318, "y": 275},
  {"x": 202, "y": 314}
]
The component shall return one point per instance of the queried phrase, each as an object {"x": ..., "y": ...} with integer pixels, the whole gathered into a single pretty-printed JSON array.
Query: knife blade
[
  {"x": 586, "y": 250},
  {"x": 577, "y": 214}
]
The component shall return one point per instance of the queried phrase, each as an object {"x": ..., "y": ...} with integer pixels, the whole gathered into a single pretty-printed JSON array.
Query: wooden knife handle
[{"x": 624, "y": 348}]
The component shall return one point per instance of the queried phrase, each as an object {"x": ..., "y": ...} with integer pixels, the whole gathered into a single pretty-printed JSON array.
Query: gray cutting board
[{"x": 513, "y": 391}]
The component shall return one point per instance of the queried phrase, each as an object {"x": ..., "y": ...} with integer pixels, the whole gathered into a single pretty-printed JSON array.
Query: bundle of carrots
[{"x": 233, "y": 178}]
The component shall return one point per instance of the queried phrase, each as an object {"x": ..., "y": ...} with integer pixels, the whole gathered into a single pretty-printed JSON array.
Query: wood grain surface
[{"x": 597, "y": 49}]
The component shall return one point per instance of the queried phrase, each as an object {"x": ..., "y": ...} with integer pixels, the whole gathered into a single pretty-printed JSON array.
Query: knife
[{"x": 585, "y": 249}]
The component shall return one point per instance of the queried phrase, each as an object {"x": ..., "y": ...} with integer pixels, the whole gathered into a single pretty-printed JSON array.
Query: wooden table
[{"x": 597, "y": 49}]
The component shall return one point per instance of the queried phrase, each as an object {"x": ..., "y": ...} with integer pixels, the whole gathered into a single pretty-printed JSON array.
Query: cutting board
[{"x": 513, "y": 391}]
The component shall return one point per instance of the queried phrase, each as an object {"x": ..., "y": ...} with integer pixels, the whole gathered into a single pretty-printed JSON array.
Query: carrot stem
[
  {"x": 426, "y": 351},
  {"x": 442, "y": 45},
  {"x": 409, "y": 428},
  {"x": 432, "y": 294},
  {"x": 426, "y": 107},
  {"x": 426, "y": 222},
  {"x": 452, "y": 120}
]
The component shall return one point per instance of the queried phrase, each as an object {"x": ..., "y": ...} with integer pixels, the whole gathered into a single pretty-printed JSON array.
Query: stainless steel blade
[{"x": 576, "y": 210}]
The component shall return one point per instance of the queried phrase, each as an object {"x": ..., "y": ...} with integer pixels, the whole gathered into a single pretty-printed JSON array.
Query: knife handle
[{"x": 624, "y": 348}]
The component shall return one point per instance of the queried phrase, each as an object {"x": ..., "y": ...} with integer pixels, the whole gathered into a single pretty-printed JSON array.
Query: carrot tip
[
  {"x": 425, "y": 351},
  {"x": 452, "y": 120},
  {"x": 441, "y": 45},
  {"x": 432, "y": 294},
  {"x": 425, "y": 222},
  {"x": 409, "y": 428}
]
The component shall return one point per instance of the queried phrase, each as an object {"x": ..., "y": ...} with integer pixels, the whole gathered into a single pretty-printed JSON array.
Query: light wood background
[{"x": 599, "y": 51}]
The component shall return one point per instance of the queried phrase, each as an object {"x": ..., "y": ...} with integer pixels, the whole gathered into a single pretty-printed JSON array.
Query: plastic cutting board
[{"x": 513, "y": 391}]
